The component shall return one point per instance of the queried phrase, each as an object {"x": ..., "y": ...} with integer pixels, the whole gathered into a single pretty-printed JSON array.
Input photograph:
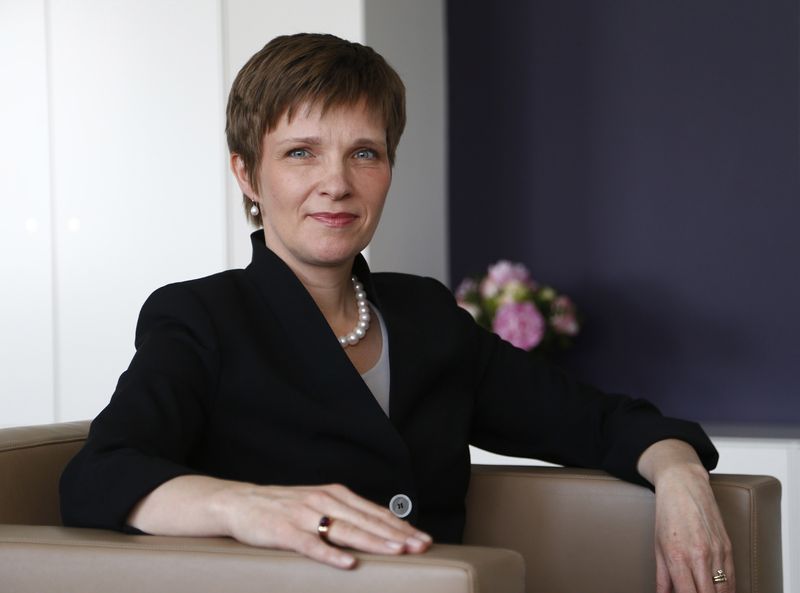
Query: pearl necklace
[{"x": 360, "y": 330}]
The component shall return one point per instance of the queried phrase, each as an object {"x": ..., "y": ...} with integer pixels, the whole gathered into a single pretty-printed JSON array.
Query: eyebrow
[
  {"x": 304, "y": 140},
  {"x": 370, "y": 141},
  {"x": 316, "y": 141}
]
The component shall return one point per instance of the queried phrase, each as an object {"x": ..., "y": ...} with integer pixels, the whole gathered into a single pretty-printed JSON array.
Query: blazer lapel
[
  {"x": 334, "y": 383},
  {"x": 403, "y": 349}
]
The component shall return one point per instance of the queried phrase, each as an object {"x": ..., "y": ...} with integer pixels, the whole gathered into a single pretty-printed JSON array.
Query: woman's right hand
[{"x": 285, "y": 517}]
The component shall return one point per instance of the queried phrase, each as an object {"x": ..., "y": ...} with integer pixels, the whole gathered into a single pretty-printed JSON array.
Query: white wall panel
[
  {"x": 138, "y": 173},
  {"x": 249, "y": 25},
  {"x": 26, "y": 340},
  {"x": 413, "y": 234}
]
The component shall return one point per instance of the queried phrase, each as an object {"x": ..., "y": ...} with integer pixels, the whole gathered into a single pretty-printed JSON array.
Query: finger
[
  {"x": 714, "y": 556},
  {"x": 313, "y": 547},
  {"x": 680, "y": 572},
  {"x": 701, "y": 561},
  {"x": 388, "y": 527},
  {"x": 365, "y": 532},
  {"x": 343, "y": 533},
  {"x": 705, "y": 580},
  {"x": 368, "y": 516},
  {"x": 730, "y": 570},
  {"x": 376, "y": 511},
  {"x": 284, "y": 516},
  {"x": 724, "y": 561},
  {"x": 360, "y": 535},
  {"x": 663, "y": 582}
]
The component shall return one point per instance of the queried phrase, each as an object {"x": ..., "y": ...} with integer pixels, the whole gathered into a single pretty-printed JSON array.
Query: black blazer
[{"x": 238, "y": 376}]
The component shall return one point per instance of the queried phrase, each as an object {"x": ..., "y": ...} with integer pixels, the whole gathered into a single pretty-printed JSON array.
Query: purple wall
[{"x": 642, "y": 157}]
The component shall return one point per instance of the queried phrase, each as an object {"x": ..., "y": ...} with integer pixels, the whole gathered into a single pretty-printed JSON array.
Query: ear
[{"x": 240, "y": 173}]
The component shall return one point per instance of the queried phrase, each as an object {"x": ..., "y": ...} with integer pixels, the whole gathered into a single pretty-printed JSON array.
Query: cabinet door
[
  {"x": 26, "y": 304},
  {"x": 138, "y": 174}
]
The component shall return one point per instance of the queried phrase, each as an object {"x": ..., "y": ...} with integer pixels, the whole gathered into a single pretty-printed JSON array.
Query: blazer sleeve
[
  {"x": 526, "y": 407},
  {"x": 144, "y": 436}
]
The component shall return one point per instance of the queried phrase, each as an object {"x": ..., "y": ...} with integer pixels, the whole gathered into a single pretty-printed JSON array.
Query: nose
[{"x": 336, "y": 183}]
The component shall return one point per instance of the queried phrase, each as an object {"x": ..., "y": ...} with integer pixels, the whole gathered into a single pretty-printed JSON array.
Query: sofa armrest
[
  {"x": 42, "y": 559},
  {"x": 31, "y": 461},
  {"x": 579, "y": 528}
]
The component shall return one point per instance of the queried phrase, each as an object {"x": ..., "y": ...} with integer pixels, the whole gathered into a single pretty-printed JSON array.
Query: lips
[{"x": 334, "y": 219}]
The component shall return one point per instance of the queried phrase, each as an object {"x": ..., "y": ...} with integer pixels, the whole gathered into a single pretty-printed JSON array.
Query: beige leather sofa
[{"x": 548, "y": 530}]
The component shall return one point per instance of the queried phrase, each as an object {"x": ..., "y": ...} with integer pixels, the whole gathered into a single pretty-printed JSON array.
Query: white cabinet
[
  {"x": 26, "y": 289},
  {"x": 112, "y": 184},
  {"x": 138, "y": 174}
]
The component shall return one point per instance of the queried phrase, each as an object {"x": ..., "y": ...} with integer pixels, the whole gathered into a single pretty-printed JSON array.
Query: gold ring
[
  {"x": 720, "y": 577},
  {"x": 324, "y": 527}
]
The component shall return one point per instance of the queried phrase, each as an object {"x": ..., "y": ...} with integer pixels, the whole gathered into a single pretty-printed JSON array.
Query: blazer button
[{"x": 400, "y": 505}]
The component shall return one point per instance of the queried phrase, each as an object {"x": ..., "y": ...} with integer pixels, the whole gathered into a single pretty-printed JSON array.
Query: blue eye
[
  {"x": 299, "y": 153},
  {"x": 366, "y": 153}
]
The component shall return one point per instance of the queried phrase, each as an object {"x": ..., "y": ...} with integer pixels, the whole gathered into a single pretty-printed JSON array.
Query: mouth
[{"x": 334, "y": 219}]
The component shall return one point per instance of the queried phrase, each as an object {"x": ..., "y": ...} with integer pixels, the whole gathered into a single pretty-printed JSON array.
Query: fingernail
[
  {"x": 424, "y": 537},
  {"x": 394, "y": 545},
  {"x": 346, "y": 561},
  {"x": 414, "y": 542}
]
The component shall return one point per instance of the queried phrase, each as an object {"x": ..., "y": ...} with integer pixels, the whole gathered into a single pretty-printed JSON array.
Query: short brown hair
[{"x": 292, "y": 70}]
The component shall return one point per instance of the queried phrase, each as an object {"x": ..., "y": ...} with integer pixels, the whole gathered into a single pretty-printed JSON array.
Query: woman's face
[{"x": 323, "y": 181}]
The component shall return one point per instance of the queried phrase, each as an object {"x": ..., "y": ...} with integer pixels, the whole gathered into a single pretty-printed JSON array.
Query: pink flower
[
  {"x": 563, "y": 319},
  {"x": 505, "y": 271},
  {"x": 563, "y": 304},
  {"x": 564, "y": 324},
  {"x": 515, "y": 292},
  {"x": 489, "y": 288},
  {"x": 467, "y": 286},
  {"x": 519, "y": 323}
]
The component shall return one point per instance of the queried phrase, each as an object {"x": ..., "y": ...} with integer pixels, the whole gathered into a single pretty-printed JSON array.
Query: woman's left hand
[{"x": 691, "y": 541}]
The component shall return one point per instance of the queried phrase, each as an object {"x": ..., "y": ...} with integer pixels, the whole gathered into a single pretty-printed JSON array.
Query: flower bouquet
[{"x": 510, "y": 303}]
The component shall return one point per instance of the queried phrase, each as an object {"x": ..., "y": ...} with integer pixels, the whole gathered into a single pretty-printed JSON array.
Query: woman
[{"x": 305, "y": 401}]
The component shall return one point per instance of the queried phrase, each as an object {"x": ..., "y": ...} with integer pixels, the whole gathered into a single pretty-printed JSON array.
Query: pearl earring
[{"x": 254, "y": 210}]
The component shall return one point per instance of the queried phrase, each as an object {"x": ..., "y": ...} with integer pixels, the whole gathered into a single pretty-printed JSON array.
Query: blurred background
[{"x": 642, "y": 157}]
